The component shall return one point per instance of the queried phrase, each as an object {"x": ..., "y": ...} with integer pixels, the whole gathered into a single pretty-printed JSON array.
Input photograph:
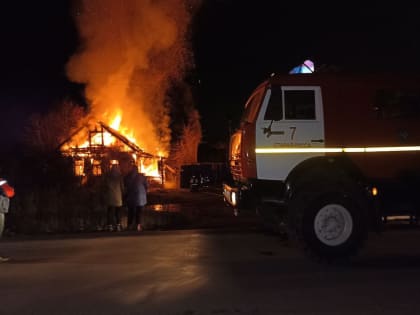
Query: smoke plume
[{"x": 130, "y": 51}]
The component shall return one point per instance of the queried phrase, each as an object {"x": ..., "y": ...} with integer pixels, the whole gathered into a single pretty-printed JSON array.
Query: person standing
[
  {"x": 136, "y": 197},
  {"x": 114, "y": 188},
  {"x": 6, "y": 192}
]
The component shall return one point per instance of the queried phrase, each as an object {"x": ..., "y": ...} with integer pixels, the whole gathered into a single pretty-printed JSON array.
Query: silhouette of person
[
  {"x": 136, "y": 197},
  {"x": 114, "y": 188}
]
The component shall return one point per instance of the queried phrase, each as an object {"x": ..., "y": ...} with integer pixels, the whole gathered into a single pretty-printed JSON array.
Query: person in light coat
[
  {"x": 114, "y": 188},
  {"x": 135, "y": 197}
]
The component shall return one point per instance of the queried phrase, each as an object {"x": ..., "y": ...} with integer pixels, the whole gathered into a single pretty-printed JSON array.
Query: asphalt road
[{"x": 218, "y": 271}]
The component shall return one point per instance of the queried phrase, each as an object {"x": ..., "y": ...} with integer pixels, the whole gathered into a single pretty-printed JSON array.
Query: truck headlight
[{"x": 233, "y": 198}]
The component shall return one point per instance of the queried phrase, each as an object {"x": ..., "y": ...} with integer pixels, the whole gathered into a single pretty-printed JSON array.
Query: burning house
[
  {"x": 132, "y": 53},
  {"x": 96, "y": 146}
]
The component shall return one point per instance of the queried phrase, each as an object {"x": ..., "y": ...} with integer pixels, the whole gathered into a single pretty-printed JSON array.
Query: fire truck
[{"x": 327, "y": 156}]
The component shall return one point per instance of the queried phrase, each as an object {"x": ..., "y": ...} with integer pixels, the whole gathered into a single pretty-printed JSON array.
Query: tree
[
  {"x": 186, "y": 149},
  {"x": 45, "y": 133}
]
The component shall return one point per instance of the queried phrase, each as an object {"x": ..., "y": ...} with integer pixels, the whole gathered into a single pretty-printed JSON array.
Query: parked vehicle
[{"x": 328, "y": 156}]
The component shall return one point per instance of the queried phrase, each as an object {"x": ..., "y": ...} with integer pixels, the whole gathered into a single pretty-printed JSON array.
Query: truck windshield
[{"x": 275, "y": 105}]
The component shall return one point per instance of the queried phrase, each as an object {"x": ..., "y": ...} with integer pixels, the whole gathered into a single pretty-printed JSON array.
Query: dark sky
[
  {"x": 236, "y": 44},
  {"x": 239, "y": 43}
]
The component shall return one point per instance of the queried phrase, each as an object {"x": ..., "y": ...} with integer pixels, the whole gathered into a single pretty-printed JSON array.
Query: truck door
[{"x": 290, "y": 121}]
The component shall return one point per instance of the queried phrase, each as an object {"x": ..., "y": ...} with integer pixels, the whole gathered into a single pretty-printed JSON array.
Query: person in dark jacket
[
  {"x": 135, "y": 197},
  {"x": 114, "y": 188}
]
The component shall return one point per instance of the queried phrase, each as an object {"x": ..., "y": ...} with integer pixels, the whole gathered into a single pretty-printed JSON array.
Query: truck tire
[{"x": 330, "y": 224}]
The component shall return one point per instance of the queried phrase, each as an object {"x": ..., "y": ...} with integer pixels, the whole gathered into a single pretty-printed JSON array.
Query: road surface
[{"x": 218, "y": 271}]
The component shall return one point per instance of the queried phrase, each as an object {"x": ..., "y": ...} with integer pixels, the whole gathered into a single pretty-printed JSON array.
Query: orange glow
[
  {"x": 97, "y": 136},
  {"x": 150, "y": 168},
  {"x": 115, "y": 123},
  {"x": 127, "y": 67}
]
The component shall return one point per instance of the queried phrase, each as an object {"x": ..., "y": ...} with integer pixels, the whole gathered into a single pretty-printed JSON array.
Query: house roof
[{"x": 87, "y": 128}]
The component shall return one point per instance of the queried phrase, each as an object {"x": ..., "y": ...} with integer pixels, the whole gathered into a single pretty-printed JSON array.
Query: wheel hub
[{"x": 333, "y": 224}]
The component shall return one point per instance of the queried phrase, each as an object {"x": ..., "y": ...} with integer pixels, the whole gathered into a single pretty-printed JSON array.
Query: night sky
[{"x": 236, "y": 45}]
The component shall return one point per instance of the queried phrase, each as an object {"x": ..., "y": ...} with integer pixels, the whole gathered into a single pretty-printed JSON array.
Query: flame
[
  {"x": 151, "y": 169},
  {"x": 149, "y": 166},
  {"x": 128, "y": 65},
  {"x": 115, "y": 123},
  {"x": 101, "y": 137}
]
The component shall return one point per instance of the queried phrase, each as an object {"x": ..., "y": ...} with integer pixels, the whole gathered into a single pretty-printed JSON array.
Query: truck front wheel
[{"x": 331, "y": 225}]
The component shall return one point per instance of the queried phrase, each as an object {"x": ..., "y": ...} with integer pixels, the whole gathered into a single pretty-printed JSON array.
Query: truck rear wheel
[{"x": 330, "y": 225}]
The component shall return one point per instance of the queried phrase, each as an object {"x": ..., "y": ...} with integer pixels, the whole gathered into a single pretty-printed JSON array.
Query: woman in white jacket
[{"x": 114, "y": 198}]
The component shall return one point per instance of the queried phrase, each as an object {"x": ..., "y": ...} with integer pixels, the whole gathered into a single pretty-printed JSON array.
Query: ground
[{"x": 181, "y": 208}]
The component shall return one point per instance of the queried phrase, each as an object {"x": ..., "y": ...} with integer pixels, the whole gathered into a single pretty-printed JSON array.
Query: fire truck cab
[{"x": 328, "y": 156}]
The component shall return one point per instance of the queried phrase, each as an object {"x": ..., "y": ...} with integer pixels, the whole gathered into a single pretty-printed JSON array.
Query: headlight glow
[{"x": 233, "y": 198}]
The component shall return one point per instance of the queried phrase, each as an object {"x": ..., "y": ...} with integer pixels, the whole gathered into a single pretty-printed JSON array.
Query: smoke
[{"x": 130, "y": 52}]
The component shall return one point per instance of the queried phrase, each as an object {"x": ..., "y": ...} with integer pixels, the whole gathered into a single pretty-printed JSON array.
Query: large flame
[{"x": 131, "y": 50}]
